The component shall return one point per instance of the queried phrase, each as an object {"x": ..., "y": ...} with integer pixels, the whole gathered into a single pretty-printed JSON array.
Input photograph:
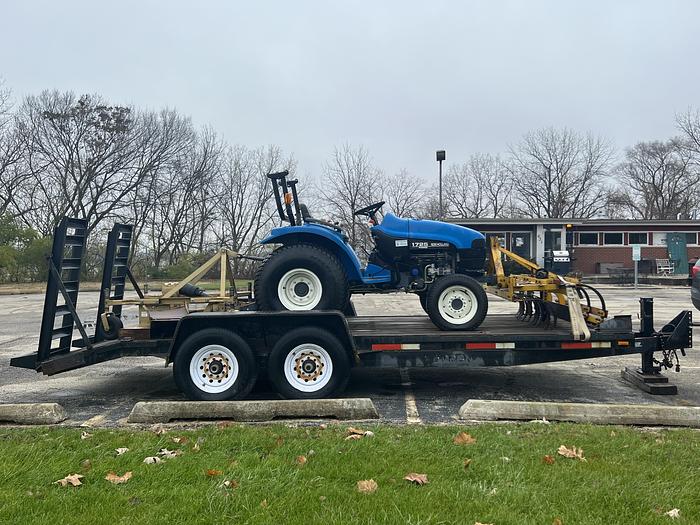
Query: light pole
[{"x": 440, "y": 156}]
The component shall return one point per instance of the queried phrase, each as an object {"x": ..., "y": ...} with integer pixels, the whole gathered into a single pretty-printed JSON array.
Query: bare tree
[
  {"x": 480, "y": 187},
  {"x": 351, "y": 182},
  {"x": 245, "y": 203},
  {"x": 560, "y": 173},
  {"x": 12, "y": 178},
  {"x": 86, "y": 157},
  {"x": 659, "y": 181},
  {"x": 404, "y": 194}
]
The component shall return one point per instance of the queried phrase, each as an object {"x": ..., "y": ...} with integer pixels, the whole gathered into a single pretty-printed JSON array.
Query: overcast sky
[{"x": 401, "y": 78}]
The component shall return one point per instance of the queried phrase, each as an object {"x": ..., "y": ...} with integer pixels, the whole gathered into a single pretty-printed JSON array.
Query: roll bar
[{"x": 279, "y": 181}]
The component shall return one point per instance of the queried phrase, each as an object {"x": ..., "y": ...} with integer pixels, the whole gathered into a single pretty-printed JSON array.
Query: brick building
[{"x": 598, "y": 246}]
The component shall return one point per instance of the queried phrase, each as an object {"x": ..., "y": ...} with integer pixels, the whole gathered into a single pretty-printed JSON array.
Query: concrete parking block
[
  {"x": 32, "y": 413},
  {"x": 607, "y": 414},
  {"x": 164, "y": 411}
]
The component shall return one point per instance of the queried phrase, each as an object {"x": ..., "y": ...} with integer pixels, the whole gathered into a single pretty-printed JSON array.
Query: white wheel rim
[
  {"x": 457, "y": 305},
  {"x": 299, "y": 289},
  {"x": 308, "y": 367},
  {"x": 213, "y": 369}
]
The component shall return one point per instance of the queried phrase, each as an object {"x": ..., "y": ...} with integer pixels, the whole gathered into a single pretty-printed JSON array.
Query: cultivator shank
[{"x": 544, "y": 297}]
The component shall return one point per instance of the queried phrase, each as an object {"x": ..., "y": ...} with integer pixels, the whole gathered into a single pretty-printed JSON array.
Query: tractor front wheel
[
  {"x": 456, "y": 302},
  {"x": 301, "y": 277}
]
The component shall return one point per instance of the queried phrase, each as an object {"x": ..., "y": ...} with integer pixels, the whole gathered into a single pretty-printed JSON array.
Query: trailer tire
[
  {"x": 214, "y": 365},
  {"x": 308, "y": 363},
  {"x": 456, "y": 302},
  {"x": 301, "y": 277}
]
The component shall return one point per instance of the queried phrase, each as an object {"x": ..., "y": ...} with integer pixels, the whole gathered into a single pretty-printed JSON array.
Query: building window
[
  {"x": 613, "y": 238},
  {"x": 638, "y": 238},
  {"x": 588, "y": 239},
  {"x": 660, "y": 238}
]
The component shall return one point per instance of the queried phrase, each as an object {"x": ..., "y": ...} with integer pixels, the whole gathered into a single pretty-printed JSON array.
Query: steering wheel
[{"x": 371, "y": 210}]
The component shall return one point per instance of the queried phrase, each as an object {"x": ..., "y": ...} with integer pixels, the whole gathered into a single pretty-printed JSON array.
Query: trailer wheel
[
  {"x": 308, "y": 363},
  {"x": 214, "y": 365},
  {"x": 115, "y": 324},
  {"x": 456, "y": 302},
  {"x": 301, "y": 277}
]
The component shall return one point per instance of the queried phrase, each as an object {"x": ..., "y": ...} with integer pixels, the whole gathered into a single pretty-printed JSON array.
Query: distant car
[{"x": 695, "y": 288}]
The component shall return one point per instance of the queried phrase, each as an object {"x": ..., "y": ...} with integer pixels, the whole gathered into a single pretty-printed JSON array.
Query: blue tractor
[{"x": 315, "y": 268}]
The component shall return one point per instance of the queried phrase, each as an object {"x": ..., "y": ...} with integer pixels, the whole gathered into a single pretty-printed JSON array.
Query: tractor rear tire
[
  {"x": 456, "y": 302},
  {"x": 422, "y": 298},
  {"x": 301, "y": 277}
]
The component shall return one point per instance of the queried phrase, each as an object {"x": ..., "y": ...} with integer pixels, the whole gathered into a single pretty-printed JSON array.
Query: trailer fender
[
  {"x": 320, "y": 236},
  {"x": 261, "y": 330}
]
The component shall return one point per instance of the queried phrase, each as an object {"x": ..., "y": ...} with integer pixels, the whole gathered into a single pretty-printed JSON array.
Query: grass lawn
[{"x": 629, "y": 476}]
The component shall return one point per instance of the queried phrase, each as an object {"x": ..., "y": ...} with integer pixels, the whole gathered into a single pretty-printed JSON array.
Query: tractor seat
[{"x": 312, "y": 220}]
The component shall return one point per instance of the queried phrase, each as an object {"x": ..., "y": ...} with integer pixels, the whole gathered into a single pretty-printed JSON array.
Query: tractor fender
[{"x": 319, "y": 236}]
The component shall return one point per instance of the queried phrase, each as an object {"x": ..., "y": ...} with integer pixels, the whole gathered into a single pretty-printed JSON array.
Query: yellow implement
[{"x": 544, "y": 296}]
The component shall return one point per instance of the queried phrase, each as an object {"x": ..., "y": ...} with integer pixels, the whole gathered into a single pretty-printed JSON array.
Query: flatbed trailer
[{"x": 308, "y": 354}]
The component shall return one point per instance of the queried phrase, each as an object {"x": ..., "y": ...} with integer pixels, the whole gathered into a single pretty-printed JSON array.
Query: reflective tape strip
[
  {"x": 488, "y": 346},
  {"x": 587, "y": 345},
  {"x": 395, "y": 346}
]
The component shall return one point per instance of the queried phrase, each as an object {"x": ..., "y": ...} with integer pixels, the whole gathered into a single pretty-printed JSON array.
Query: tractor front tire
[
  {"x": 301, "y": 277},
  {"x": 456, "y": 302}
]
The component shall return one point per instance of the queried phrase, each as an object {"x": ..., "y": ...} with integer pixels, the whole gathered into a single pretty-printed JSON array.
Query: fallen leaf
[
  {"x": 418, "y": 479},
  {"x": 279, "y": 441},
  {"x": 353, "y": 436},
  {"x": 152, "y": 459},
  {"x": 557, "y": 521},
  {"x": 157, "y": 429},
  {"x": 121, "y": 450},
  {"x": 673, "y": 514},
  {"x": 224, "y": 424},
  {"x": 479, "y": 523},
  {"x": 311, "y": 452},
  {"x": 572, "y": 453},
  {"x": 264, "y": 504},
  {"x": 168, "y": 454},
  {"x": 86, "y": 464},
  {"x": 114, "y": 478},
  {"x": 367, "y": 486},
  {"x": 612, "y": 433},
  {"x": 195, "y": 447},
  {"x": 505, "y": 459},
  {"x": 357, "y": 433},
  {"x": 301, "y": 460},
  {"x": 72, "y": 479},
  {"x": 180, "y": 440},
  {"x": 213, "y": 472},
  {"x": 231, "y": 484},
  {"x": 85, "y": 435},
  {"x": 323, "y": 426},
  {"x": 322, "y": 498},
  {"x": 463, "y": 439},
  {"x": 466, "y": 463},
  {"x": 549, "y": 460}
]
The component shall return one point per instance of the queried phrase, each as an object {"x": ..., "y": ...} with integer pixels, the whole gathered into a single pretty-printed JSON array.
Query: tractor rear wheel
[
  {"x": 456, "y": 302},
  {"x": 301, "y": 277}
]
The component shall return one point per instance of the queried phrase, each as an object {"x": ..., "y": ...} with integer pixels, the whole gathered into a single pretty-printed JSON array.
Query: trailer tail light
[
  {"x": 623, "y": 343},
  {"x": 695, "y": 270}
]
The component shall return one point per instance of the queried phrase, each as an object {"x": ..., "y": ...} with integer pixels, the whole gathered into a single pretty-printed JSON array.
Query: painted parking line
[{"x": 412, "y": 415}]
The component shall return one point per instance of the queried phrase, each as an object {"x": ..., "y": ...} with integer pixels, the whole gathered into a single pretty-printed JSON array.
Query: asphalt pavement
[{"x": 104, "y": 394}]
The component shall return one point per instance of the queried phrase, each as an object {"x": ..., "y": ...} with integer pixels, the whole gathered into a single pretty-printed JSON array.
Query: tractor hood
[{"x": 460, "y": 237}]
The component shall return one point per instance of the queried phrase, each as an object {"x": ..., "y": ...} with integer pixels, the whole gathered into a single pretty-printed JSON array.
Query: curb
[
  {"x": 253, "y": 411},
  {"x": 606, "y": 414},
  {"x": 32, "y": 413}
]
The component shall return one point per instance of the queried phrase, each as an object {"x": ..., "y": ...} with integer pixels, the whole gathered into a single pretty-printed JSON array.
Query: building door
[
  {"x": 521, "y": 243},
  {"x": 678, "y": 252}
]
